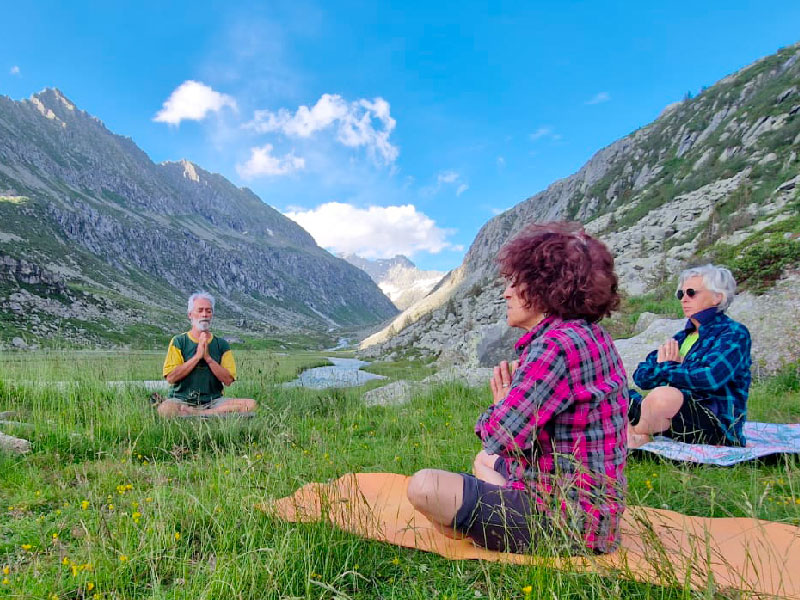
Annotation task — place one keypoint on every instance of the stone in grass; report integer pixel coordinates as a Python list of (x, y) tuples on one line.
[(16, 445), (394, 394)]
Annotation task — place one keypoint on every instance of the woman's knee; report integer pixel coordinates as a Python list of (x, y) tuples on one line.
[(421, 487), (663, 402)]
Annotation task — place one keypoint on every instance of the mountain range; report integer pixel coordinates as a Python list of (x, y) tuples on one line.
[(398, 278), (100, 245), (714, 178)]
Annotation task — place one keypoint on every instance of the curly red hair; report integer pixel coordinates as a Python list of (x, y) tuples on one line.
[(561, 270)]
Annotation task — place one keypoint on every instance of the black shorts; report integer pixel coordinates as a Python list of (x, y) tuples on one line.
[(694, 422), (498, 518)]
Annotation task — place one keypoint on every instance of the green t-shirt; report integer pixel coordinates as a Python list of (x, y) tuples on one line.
[(688, 343), (200, 386)]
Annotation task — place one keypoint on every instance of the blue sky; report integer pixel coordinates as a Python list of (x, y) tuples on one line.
[(422, 119)]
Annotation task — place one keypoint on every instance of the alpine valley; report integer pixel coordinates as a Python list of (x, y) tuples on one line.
[(101, 246), (714, 178)]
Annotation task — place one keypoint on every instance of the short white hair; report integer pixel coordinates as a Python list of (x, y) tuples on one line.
[(716, 279), (197, 296)]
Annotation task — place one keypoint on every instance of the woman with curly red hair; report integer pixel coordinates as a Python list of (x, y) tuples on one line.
[(550, 474)]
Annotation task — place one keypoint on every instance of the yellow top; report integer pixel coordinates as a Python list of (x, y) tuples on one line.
[(688, 343), (174, 358)]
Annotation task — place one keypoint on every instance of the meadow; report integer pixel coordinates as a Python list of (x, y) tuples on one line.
[(116, 503)]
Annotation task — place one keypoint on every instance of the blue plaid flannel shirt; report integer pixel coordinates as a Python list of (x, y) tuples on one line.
[(715, 372)]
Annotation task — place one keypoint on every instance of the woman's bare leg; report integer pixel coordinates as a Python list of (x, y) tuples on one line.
[(438, 495), (658, 408), (483, 468)]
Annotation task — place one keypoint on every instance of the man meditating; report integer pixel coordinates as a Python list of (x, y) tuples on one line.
[(198, 365), (701, 376), (550, 476)]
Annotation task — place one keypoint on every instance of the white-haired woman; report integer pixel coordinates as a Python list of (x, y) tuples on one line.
[(701, 377)]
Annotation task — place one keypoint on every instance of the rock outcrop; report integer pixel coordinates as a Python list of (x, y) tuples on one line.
[(715, 169)]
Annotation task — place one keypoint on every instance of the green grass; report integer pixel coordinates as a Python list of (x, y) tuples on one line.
[(142, 508)]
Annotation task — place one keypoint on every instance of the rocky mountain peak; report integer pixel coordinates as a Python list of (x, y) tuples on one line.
[(88, 210), (714, 176)]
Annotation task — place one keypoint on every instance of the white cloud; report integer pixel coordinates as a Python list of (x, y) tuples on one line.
[(545, 132), (540, 133), (374, 232), (501, 162), (192, 101), (14, 70), (599, 97), (262, 162), (362, 123), (447, 177)]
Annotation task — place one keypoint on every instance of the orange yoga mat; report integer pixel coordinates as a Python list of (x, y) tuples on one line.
[(663, 547)]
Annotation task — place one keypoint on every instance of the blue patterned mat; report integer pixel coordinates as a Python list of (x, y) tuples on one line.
[(762, 439)]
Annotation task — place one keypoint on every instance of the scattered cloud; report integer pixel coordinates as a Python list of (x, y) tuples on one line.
[(446, 178), (599, 97), (14, 70), (373, 232), (501, 162), (361, 123), (262, 162), (498, 211), (545, 132), (540, 133), (192, 101)]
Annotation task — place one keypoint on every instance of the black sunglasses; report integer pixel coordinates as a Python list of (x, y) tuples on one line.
[(689, 292)]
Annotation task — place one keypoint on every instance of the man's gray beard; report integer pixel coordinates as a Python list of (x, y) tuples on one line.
[(201, 324)]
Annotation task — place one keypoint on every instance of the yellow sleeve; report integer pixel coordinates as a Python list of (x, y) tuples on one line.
[(174, 359), (228, 362)]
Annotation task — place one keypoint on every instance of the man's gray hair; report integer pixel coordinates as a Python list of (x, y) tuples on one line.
[(196, 296), (717, 279)]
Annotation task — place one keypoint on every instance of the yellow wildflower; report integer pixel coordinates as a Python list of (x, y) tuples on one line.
[(110, 507), (74, 569), (38, 493), (649, 484), (6, 570), (134, 505), (136, 515), (527, 590), (148, 499), (26, 547), (395, 561), (177, 536), (55, 536), (84, 505), (89, 586), (122, 558), (65, 561), (5, 581)]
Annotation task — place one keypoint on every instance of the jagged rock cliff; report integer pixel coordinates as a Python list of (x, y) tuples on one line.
[(712, 174), (88, 212), (398, 278)]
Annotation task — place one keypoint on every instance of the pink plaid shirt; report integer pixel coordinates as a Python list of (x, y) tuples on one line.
[(561, 429)]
